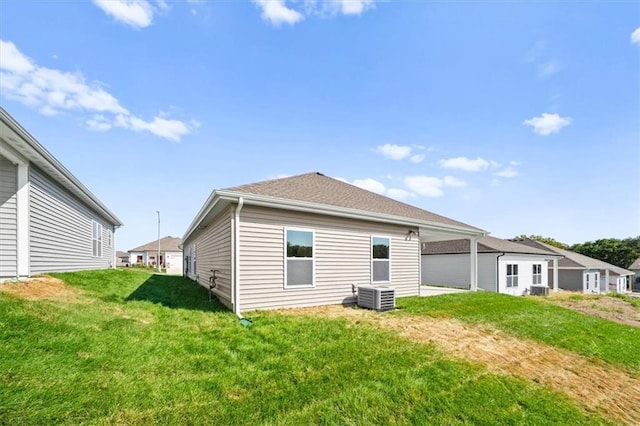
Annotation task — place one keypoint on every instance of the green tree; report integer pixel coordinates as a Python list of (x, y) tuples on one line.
[(618, 252), (546, 240)]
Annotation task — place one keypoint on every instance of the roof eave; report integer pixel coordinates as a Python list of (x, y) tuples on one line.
[(61, 171), (308, 207)]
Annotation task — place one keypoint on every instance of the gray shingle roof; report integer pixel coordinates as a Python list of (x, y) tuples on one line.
[(321, 189), (486, 244), (575, 260), (166, 244), (636, 264)]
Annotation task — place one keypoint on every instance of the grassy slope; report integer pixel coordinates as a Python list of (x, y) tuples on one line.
[(529, 317), (150, 349)]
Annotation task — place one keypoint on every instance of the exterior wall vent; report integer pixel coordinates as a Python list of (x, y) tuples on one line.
[(539, 290), (378, 298)]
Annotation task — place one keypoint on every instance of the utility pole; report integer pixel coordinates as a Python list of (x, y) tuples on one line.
[(158, 258)]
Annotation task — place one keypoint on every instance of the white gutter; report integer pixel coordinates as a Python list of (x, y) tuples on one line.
[(236, 259), (273, 202), (45, 156)]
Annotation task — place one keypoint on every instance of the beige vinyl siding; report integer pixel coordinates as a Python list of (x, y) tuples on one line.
[(342, 253), (8, 219), (60, 229), (213, 251)]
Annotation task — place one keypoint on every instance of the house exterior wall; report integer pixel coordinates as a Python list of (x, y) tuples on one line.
[(60, 229), (212, 247), (453, 270), (568, 279), (525, 264), (8, 219), (133, 257), (342, 254)]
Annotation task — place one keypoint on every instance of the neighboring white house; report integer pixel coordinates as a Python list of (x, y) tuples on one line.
[(306, 240), (634, 284), (170, 254), (503, 266), (577, 272), (49, 221)]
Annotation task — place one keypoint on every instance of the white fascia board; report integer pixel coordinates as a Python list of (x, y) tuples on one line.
[(42, 156), (280, 203), (204, 211)]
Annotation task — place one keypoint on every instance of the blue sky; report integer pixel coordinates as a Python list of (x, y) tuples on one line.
[(516, 117)]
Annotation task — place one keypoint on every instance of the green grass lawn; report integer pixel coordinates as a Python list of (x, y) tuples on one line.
[(533, 318), (150, 349)]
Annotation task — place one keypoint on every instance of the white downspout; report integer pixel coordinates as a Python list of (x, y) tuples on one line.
[(236, 259)]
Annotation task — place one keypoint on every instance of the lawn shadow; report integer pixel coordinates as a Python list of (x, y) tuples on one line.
[(175, 292)]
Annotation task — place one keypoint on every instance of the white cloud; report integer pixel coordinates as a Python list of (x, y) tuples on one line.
[(370, 185), (277, 12), (52, 91), (352, 7), (508, 172), (547, 123), (547, 69), (399, 194), (135, 13), (635, 36), (394, 152), (417, 158), (12, 60), (99, 123), (464, 163), (454, 182), (425, 185)]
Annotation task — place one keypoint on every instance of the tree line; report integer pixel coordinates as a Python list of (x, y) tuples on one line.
[(615, 251)]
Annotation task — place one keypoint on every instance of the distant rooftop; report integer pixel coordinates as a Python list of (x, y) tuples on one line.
[(166, 244)]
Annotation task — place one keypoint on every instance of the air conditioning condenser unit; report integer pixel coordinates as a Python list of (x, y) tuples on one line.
[(378, 298), (539, 290)]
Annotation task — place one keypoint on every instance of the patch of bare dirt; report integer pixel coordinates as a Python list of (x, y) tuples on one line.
[(42, 287), (598, 388), (602, 306)]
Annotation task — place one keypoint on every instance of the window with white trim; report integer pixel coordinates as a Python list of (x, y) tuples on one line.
[(380, 259), (96, 239), (299, 270), (537, 274), (109, 237), (512, 275)]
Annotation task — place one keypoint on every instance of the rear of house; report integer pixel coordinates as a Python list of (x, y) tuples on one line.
[(577, 272), (49, 220), (289, 243), (503, 266)]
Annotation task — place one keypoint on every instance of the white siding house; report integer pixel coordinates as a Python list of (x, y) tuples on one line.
[(49, 221), (503, 266), (170, 249), (577, 272), (634, 284), (307, 240)]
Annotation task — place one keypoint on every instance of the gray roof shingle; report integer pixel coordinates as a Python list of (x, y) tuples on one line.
[(486, 244), (166, 244), (321, 189)]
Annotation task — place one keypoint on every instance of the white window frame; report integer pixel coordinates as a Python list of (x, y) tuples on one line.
[(537, 274), (109, 238), (313, 257), (96, 239), (513, 276), (380, 260)]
